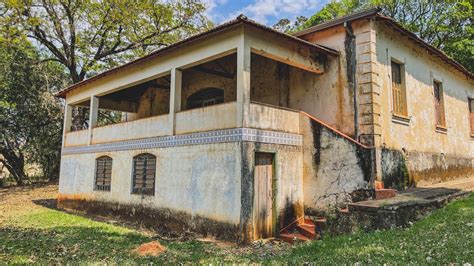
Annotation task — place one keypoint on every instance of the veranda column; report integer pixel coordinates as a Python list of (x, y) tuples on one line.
[(93, 115), (243, 81), (175, 98), (67, 121)]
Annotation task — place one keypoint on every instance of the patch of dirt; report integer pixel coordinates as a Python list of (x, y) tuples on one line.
[(26, 198), (153, 249)]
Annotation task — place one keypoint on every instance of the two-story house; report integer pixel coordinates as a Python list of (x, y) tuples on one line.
[(240, 130)]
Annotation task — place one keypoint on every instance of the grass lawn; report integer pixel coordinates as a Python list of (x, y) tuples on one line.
[(33, 233)]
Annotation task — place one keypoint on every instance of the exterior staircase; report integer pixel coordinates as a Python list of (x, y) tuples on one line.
[(303, 229), (306, 229)]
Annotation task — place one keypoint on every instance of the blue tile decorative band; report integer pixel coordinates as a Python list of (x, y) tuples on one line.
[(209, 137)]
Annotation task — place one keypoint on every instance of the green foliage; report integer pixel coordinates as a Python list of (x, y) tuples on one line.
[(88, 36), (80, 38), (447, 25), (30, 118)]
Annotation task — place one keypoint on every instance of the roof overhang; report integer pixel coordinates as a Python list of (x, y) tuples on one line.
[(239, 21)]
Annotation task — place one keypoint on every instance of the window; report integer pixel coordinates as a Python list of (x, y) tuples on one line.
[(144, 168), (103, 173), (439, 104), (471, 114), (398, 90), (205, 97)]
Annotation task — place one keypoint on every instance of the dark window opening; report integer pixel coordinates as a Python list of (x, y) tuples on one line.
[(205, 97), (439, 104), (144, 170), (471, 114), (103, 173)]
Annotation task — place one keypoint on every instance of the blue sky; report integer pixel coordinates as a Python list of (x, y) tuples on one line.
[(264, 11)]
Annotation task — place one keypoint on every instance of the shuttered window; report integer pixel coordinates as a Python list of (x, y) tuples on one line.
[(144, 168), (103, 173), (398, 90), (439, 104), (471, 114)]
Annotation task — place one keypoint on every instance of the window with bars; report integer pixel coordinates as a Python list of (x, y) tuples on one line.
[(439, 104), (144, 170), (399, 90), (471, 114), (103, 173)]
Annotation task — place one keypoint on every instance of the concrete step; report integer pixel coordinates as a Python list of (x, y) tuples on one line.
[(385, 193), (308, 230)]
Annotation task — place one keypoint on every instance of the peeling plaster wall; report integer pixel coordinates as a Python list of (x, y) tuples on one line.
[(200, 180), (152, 103), (335, 169), (323, 95), (332, 100), (194, 81), (430, 155)]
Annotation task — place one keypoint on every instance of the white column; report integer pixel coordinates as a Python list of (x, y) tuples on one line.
[(243, 82), (67, 121), (93, 115), (175, 98)]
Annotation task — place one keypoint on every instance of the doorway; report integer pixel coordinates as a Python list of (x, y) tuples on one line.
[(264, 196)]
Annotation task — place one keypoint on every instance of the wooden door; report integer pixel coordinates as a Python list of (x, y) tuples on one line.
[(263, 199)]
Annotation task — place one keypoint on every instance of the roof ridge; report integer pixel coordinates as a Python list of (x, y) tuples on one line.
[(349, 17)]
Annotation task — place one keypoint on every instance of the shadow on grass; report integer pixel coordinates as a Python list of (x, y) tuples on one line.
[(47, 203), (64, 243)]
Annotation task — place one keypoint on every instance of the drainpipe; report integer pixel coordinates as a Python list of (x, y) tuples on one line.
[(350, 48)]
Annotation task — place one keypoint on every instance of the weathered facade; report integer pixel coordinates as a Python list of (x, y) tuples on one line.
[(240, 130)]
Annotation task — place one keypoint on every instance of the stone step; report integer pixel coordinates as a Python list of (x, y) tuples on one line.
[(385, 193), (308, 230)]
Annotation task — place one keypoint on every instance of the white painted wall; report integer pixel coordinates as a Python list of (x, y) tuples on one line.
[(76, 138), (420, 69), (220, 116), (154, 126), (273, 118), (200, 180)]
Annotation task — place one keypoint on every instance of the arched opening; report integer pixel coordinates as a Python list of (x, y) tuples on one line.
[(205, 97)]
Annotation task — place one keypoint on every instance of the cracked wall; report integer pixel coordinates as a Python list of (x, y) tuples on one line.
[(335, 169)]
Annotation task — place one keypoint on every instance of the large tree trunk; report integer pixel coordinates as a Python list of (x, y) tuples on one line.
[(15, 164)]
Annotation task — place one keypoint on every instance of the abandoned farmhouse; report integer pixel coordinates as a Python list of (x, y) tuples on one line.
[(241, 130)]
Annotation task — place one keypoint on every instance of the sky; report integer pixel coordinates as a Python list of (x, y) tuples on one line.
[(264, 11)]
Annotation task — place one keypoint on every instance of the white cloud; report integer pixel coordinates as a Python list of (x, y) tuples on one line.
[(211, 6), (261, 10)]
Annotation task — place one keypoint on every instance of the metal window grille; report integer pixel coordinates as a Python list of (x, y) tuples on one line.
[(103, 173), (144, 170)]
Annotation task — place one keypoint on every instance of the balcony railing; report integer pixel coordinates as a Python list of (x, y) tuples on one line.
[(215, 117)]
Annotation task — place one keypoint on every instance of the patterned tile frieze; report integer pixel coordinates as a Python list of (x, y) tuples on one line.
[(216, 136)]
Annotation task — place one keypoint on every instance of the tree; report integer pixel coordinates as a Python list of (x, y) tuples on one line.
[(285, 25), (30, 118), (446, 25), (87, 36)]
